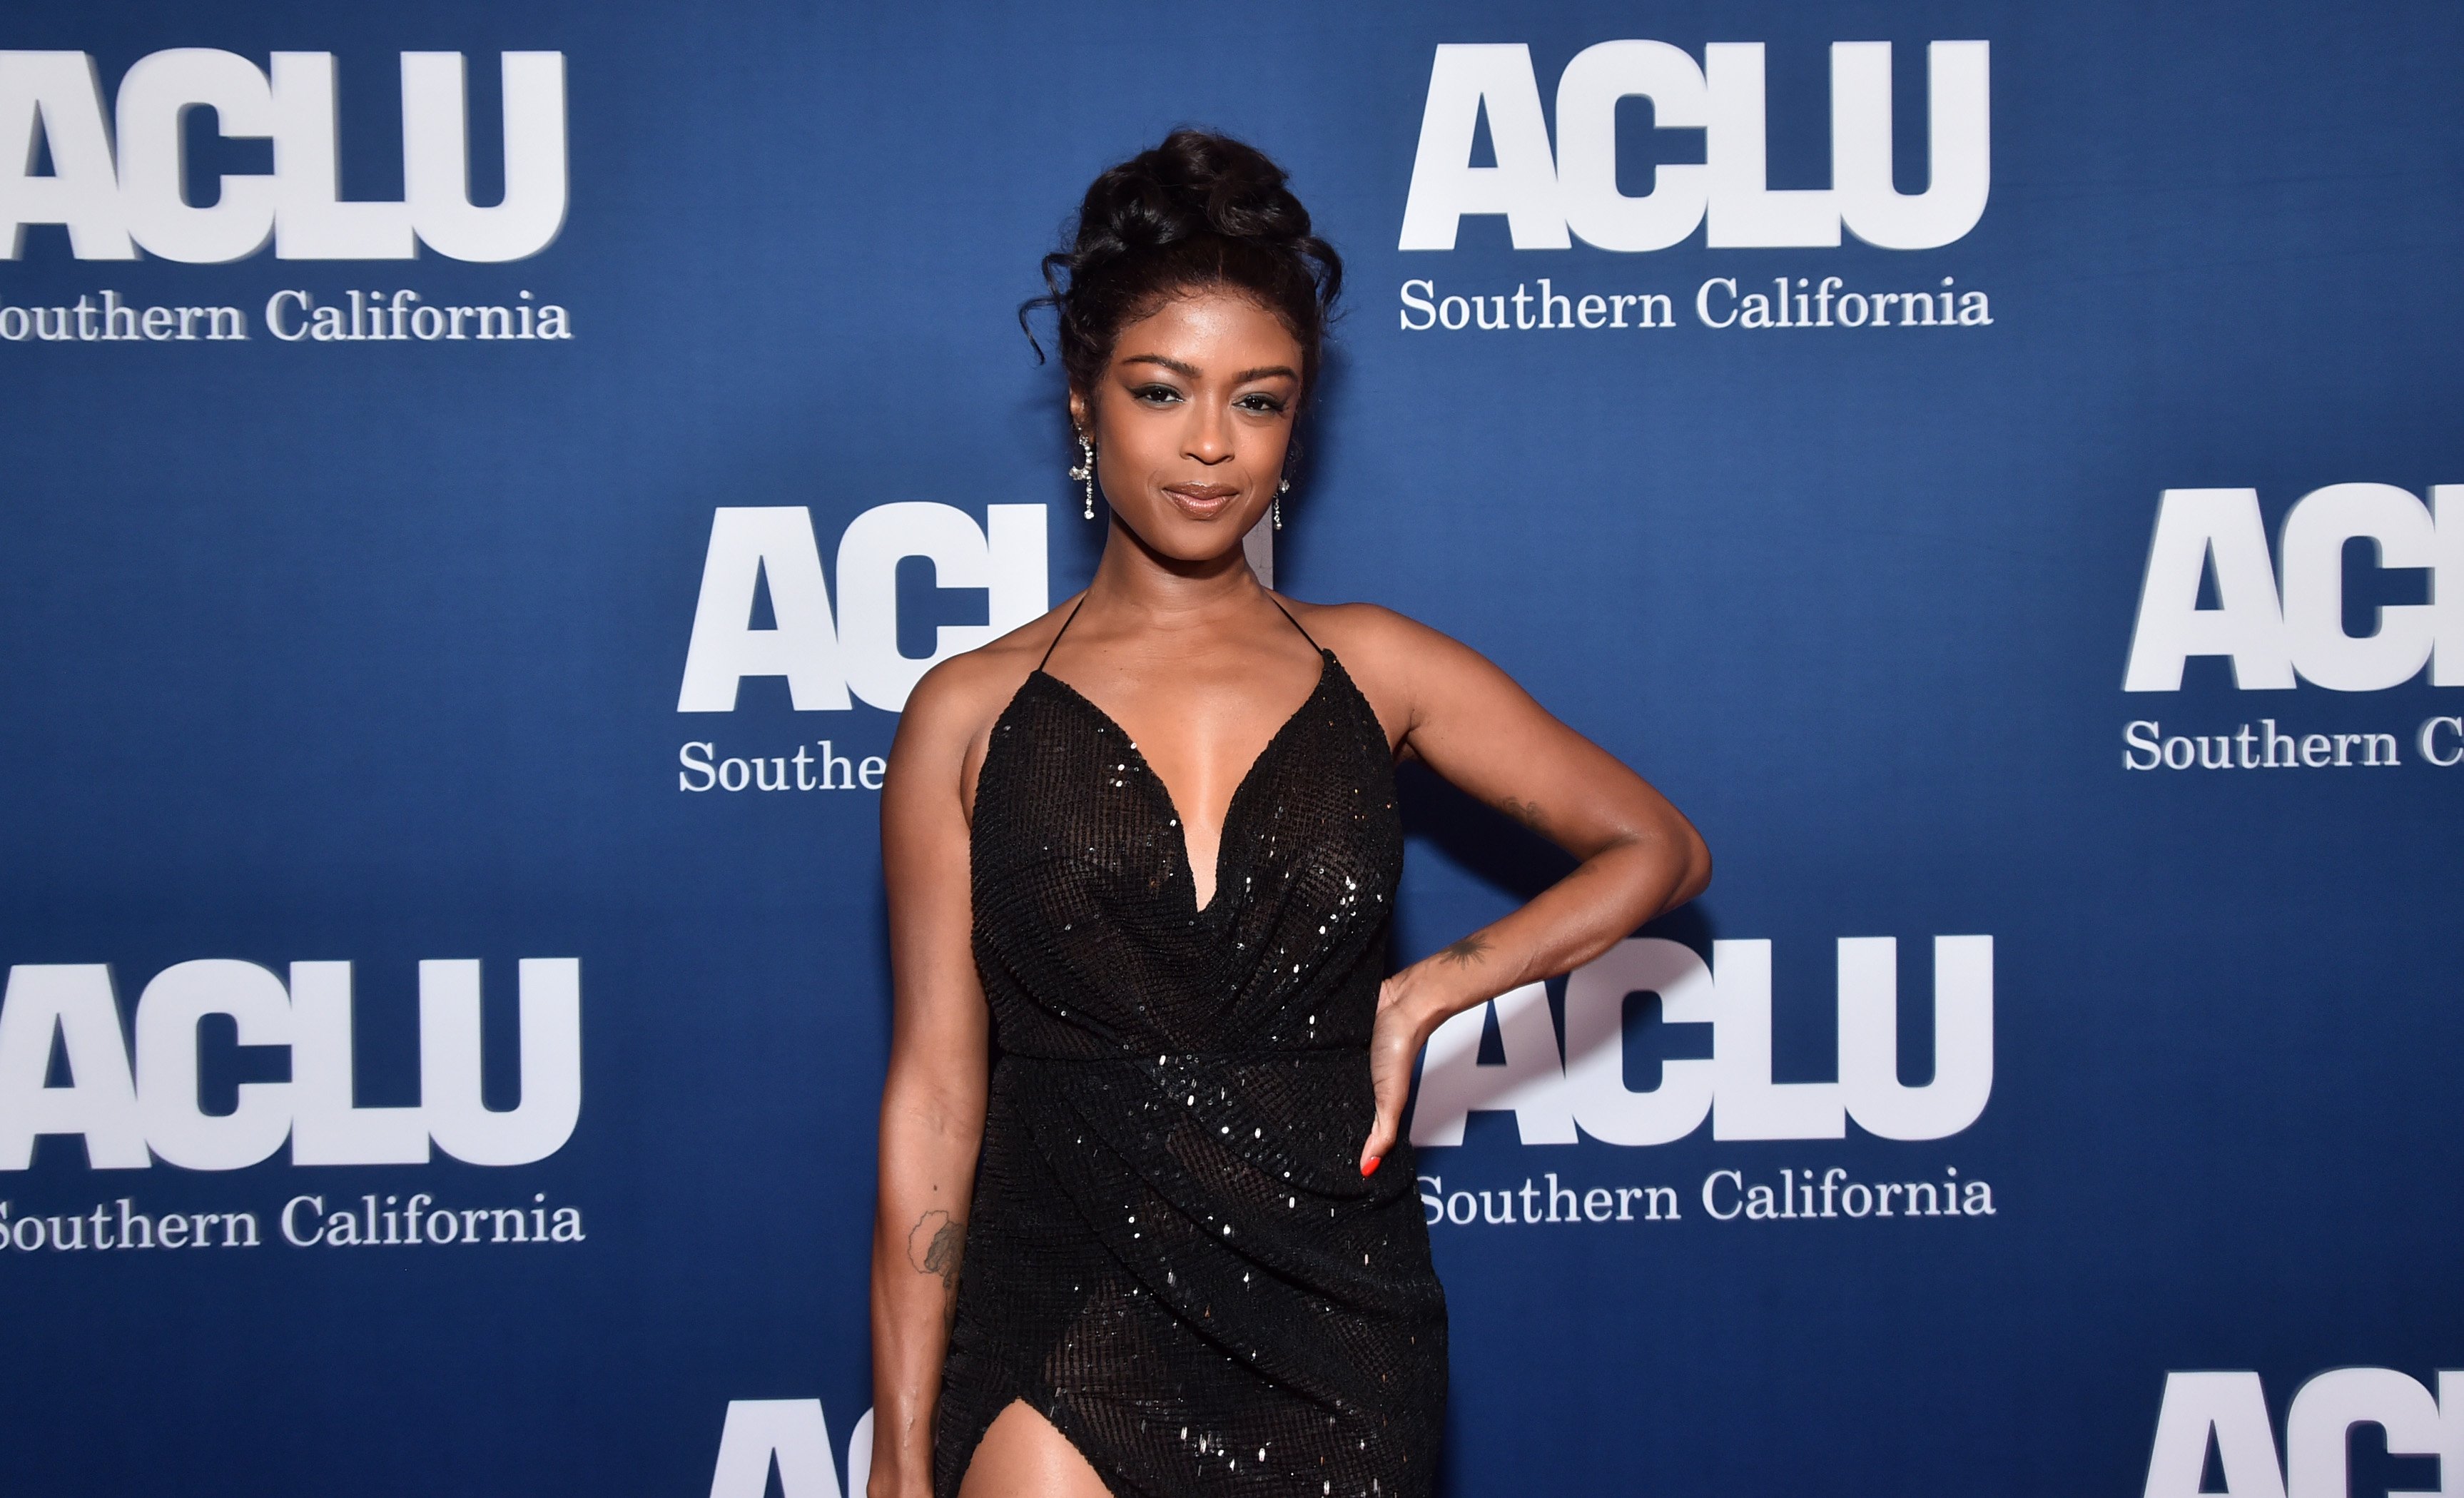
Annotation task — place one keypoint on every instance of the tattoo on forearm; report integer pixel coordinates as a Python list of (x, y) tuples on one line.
[(935, 1245), (1527, 812), (1470, 950)]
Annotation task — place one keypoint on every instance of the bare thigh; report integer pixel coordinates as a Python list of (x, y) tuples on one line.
[(1021, 1456)]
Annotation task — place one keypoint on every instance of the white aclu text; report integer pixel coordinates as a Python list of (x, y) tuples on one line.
[(2146, 745), (1554, 1096), (2227, 1412), (1549, 200), (1728, 1195), (791, 1435), (292, 316), (419, 1222), (704, 770), (2274, 632), (119, 182), (1717, 304), (128, 1116), (824, 658)]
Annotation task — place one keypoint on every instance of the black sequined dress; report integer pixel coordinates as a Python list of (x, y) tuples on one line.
[(1172, 1255)]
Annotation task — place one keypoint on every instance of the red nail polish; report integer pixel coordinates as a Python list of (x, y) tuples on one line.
[(1369, 1166)]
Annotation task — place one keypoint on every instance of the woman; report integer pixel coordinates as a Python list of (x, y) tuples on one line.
[(1151, 842)]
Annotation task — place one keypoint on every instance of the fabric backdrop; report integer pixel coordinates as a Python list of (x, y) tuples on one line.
[(479, 481)]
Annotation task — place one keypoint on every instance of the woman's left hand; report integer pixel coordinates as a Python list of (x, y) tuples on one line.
[(1403, 1027)]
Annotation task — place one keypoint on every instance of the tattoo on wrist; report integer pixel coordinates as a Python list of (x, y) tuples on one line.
[(935, 1245), (1470, 950)]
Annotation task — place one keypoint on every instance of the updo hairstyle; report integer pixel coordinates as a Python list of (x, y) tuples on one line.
[(1198, 210)]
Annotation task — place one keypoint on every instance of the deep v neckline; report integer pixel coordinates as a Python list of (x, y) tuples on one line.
[(1327, 667)]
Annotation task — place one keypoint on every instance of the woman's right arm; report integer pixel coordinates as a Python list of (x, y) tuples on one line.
[(932, 1103)]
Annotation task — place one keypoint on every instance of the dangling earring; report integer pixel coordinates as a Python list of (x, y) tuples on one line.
[(1275, 506), (1085, 473)]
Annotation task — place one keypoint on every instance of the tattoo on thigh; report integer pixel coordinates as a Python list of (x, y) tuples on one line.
[(943, 1243)]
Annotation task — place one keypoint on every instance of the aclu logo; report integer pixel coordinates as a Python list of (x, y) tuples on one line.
[(130, 1114), (2225, 1413), (791, 1438), (1557, 1097), (830, 655), (120, 181), (2273, 633), (1550, 198), (2284, 618)]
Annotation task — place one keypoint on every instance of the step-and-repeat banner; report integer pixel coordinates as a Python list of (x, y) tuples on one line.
[(478, 482)]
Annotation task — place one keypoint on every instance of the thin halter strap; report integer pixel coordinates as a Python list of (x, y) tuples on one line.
[(1286, 613), (1065, 629), (1081, 603)]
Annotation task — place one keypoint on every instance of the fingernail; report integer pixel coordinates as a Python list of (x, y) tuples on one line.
[(1369, 1166)]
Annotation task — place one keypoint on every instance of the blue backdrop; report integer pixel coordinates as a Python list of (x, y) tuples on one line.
[(328, 649)]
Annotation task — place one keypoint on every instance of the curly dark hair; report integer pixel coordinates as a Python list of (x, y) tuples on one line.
[(1200, 210)]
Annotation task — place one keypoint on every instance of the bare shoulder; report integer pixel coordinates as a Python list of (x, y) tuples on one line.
[(1377, 642), (952, 709), (1402, 665)]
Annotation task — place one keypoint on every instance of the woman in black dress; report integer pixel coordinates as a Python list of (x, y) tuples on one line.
[(1170, 1243)]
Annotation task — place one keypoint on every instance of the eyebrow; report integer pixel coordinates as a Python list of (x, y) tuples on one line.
[(1192, 371)]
